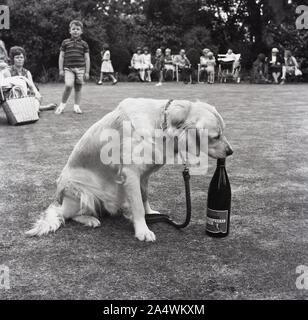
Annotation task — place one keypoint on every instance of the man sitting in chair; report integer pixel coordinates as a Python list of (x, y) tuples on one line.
[(230, 62), (183, 66)]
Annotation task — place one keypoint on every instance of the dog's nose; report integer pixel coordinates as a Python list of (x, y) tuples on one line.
[(229, 151)]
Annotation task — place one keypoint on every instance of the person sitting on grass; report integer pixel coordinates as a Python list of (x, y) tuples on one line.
[(74, 65), (137, 63), (17, 57), (290, 66), (106, 67)]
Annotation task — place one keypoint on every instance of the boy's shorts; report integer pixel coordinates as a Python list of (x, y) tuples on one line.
[(74, 76)]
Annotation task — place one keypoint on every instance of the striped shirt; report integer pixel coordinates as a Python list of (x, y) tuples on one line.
[(74, 51)]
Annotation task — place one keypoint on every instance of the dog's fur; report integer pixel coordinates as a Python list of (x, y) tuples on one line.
[(86, 184)]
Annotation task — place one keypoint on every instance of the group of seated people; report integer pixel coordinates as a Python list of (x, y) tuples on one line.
[(274, 69), (168, 66)]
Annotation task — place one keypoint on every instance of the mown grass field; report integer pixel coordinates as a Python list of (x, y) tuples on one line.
[(268, 129)]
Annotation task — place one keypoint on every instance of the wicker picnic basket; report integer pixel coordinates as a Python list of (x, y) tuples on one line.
[(19, 109)]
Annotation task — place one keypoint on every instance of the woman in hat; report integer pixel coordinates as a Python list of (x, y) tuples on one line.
[(275, 65), (138, 63), (169, 67), (203, 64)]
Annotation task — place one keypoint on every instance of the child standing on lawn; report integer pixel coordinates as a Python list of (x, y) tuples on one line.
[(74, 65), (106, 67)]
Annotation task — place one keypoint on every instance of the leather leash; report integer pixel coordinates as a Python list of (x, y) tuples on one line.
[(158, 217)]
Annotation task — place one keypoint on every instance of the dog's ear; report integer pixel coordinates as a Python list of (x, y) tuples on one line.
[(178, 112)]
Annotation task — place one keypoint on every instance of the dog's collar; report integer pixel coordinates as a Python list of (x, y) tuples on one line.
[(167, 105)]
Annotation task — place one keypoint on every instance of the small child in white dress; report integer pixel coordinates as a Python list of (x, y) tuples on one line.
[(106, 68)]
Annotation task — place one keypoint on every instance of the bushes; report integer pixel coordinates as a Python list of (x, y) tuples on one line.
[(120, 59), (41, 25)]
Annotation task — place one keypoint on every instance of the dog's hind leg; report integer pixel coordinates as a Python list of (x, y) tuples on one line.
[(54, 216), (72, 210)]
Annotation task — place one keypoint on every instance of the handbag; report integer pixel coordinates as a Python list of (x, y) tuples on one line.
[(19, 109), (298, 72)]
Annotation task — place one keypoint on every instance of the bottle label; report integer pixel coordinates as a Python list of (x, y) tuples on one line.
[(216, 221)]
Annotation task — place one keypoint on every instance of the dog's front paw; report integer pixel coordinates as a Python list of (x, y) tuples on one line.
[(145, 235)]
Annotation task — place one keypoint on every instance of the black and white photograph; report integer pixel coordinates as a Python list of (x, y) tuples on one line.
[(154, 150)]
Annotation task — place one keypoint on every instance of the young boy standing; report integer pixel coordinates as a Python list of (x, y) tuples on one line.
[(74, 65)]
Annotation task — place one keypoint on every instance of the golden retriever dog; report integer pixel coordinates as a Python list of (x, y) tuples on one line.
[(88, 183)]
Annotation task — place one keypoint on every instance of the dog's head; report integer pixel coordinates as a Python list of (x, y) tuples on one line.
[(184, 115)]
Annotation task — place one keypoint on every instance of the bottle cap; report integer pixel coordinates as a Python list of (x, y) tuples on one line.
[(221, 162)]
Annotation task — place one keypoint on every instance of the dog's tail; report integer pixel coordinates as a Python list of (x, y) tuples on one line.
[(50, 221)]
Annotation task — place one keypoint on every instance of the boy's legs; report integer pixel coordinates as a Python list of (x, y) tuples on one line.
[(69, 79), (79, 81), (77, 96)]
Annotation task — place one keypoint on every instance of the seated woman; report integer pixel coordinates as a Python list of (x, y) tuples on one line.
[(260, 70), (290, 66), (169, 68), (210, 68), (17, 56), (147, 64), (203, 64), (184, 66), (138, 64), (275, 65)]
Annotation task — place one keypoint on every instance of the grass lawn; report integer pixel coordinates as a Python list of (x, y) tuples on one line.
[(268, 129)]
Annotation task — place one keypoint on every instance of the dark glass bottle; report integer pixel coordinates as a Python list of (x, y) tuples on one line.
[(219, 203)]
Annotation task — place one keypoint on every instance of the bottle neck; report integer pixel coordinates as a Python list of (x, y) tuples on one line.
[(221, 162)]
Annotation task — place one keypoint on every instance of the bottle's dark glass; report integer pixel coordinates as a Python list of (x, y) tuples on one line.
[(219, 203)]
